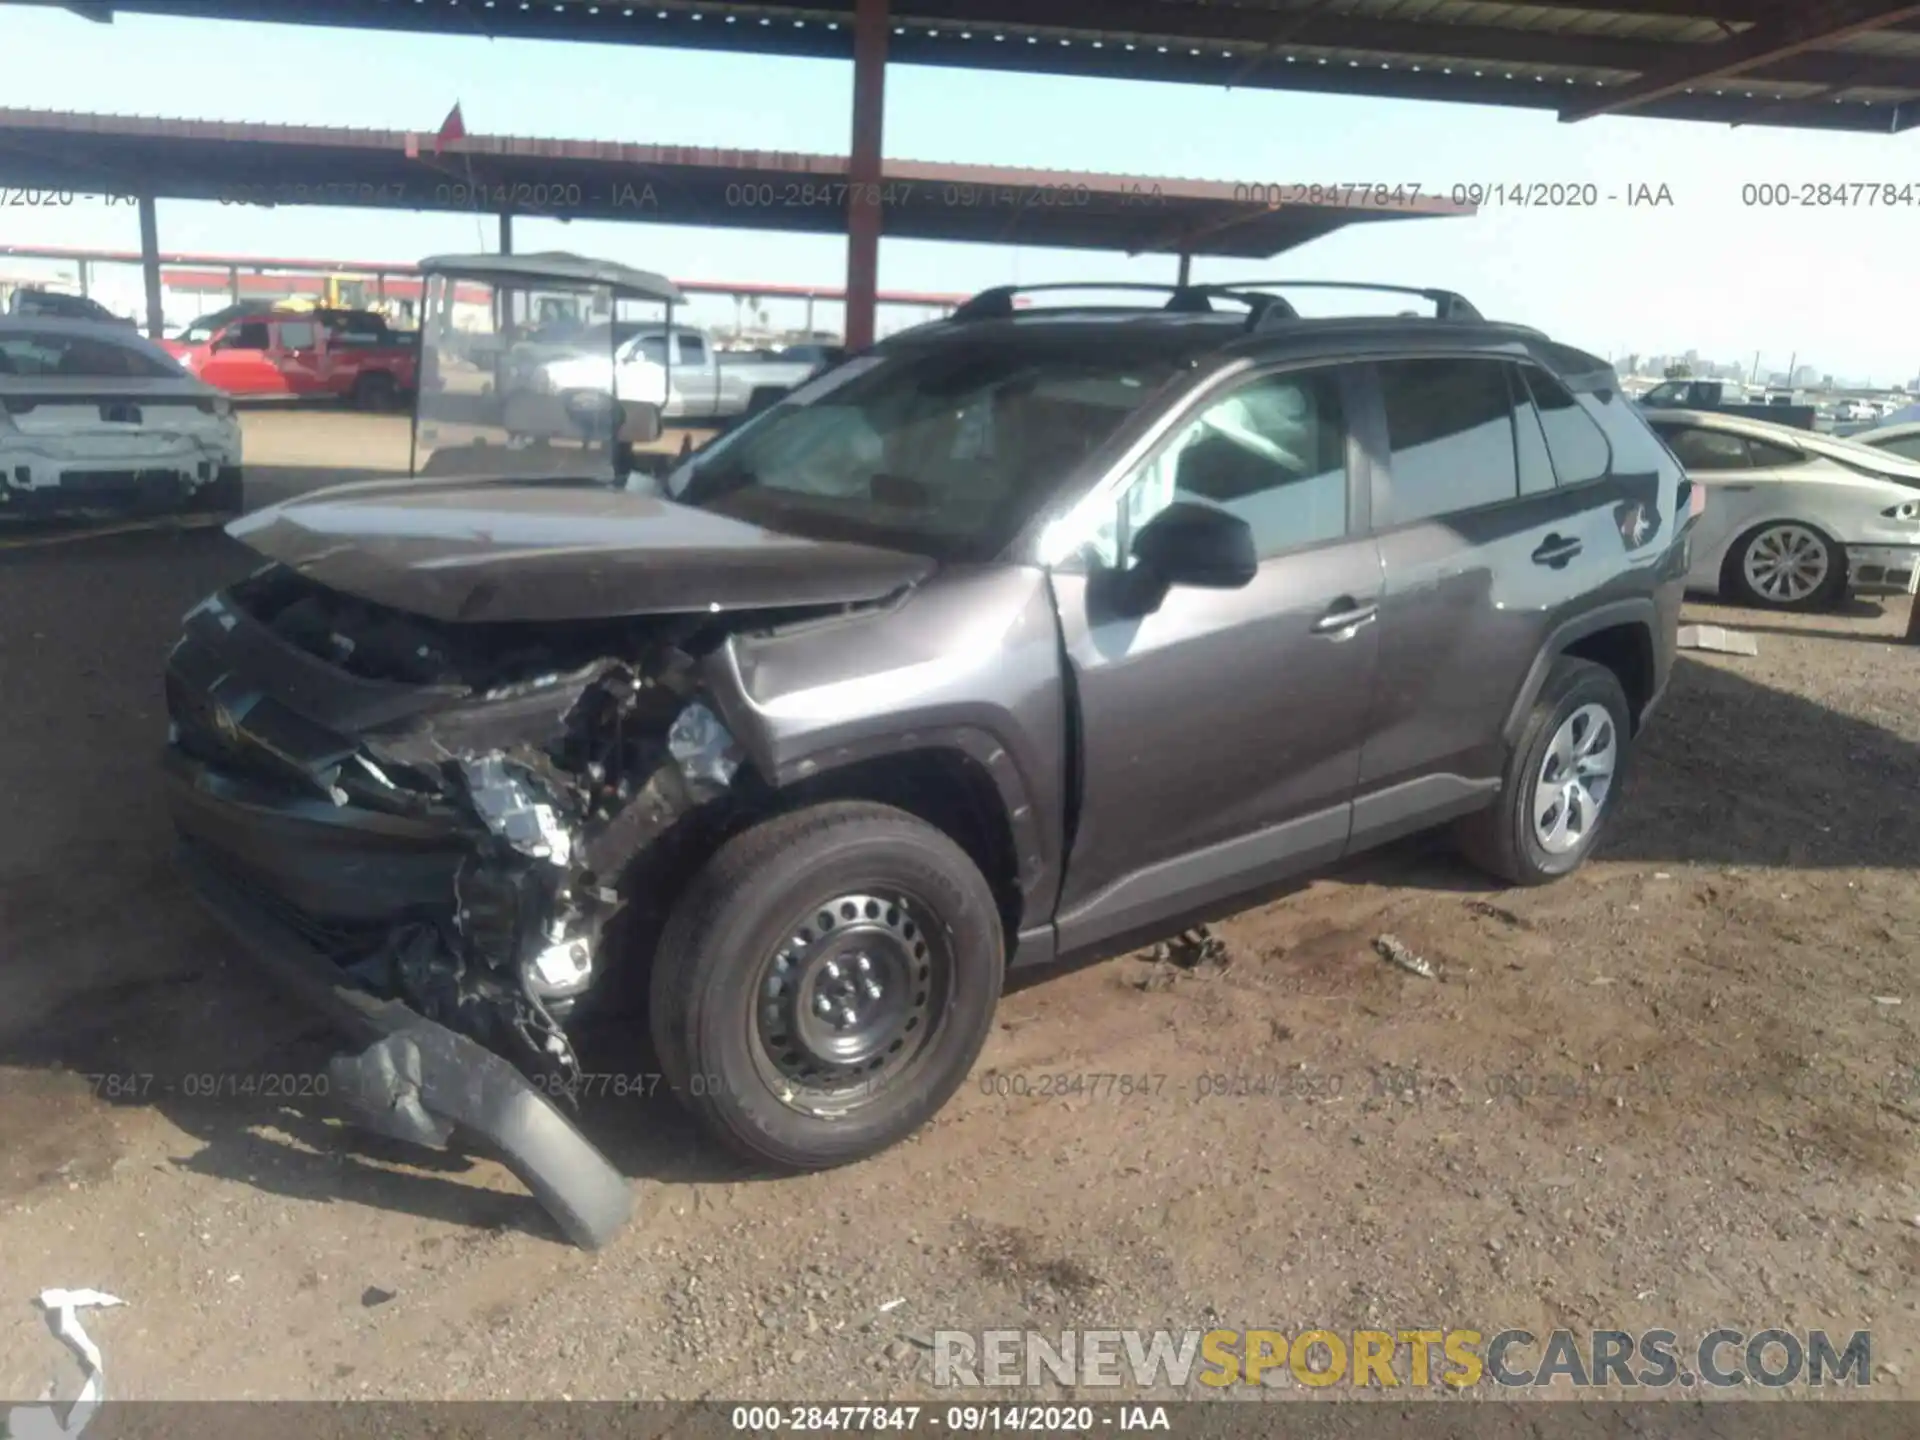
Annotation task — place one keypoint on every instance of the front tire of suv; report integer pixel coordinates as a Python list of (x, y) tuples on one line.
[(1563, 779), (825, 984)]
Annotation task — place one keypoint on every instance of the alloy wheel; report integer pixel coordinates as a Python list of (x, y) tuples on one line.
[(1575, 779), (1785, 564)]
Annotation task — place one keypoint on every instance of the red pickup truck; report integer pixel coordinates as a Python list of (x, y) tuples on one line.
[(302, 356)]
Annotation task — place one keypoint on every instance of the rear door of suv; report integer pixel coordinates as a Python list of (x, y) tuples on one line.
[(1499, 515)]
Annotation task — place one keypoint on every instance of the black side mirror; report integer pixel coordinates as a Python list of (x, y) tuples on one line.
[(1191, 544)]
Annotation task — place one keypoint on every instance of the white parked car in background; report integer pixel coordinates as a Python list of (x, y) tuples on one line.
[(95, 419), (1794, 520)]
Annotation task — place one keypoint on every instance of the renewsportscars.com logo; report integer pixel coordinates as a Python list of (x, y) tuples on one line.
[(1458, 1359)]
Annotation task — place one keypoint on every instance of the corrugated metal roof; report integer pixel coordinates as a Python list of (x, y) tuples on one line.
[(1846, 64), (119, 155), (282, 267)]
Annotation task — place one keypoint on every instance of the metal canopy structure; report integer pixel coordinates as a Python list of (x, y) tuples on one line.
[(115, 155), (1829, 64), (1821, 64), (237, 273)]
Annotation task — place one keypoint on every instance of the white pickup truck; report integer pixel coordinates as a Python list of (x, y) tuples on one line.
[(701, 383)]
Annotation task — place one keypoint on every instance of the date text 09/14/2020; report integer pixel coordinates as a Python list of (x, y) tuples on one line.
[(1403, 195)]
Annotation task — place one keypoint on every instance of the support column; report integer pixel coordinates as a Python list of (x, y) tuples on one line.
[(1186, 269), (86, 277), (233, 284), (150, 267), (863, 190), (809, 318), (506, 234)]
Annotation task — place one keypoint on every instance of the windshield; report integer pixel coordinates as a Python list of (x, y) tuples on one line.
[(945, 452)]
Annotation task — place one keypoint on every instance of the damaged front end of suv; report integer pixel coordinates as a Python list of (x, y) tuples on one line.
[(434, 828)]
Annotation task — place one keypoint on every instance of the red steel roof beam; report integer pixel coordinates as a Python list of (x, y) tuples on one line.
[(1801, 28)]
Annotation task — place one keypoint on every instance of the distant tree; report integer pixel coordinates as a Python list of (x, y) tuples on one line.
[(1679, 370)]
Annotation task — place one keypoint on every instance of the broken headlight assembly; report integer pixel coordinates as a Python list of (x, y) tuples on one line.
[(705, 749)]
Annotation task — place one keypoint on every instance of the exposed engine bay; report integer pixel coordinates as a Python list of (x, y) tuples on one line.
[(545, 758)]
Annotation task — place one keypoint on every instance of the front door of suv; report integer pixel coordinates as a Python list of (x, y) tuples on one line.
[(1220, 733), (1499, 516)]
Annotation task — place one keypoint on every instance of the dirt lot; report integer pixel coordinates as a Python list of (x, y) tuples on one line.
[(1670, 1091)]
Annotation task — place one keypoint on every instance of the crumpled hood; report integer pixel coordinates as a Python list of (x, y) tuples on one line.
[(543, 550)]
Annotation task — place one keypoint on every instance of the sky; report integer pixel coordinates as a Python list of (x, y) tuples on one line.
[(1835, 287)]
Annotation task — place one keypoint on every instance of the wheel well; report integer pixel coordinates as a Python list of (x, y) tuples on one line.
[(946, 788), (943, 787), (1626, 650)]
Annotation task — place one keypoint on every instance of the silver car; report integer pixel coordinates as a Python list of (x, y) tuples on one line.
[(1794, 520)]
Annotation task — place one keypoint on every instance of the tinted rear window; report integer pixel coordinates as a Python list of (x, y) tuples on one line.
[(1450, 425), (78, 356), (1580, 451)]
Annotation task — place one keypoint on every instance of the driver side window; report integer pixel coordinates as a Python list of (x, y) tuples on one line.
[(1273, 452)]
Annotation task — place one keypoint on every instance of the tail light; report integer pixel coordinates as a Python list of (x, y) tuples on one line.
[(1693, 499)]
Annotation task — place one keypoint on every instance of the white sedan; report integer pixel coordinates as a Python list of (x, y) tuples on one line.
[(1794, 519), (95, 419)]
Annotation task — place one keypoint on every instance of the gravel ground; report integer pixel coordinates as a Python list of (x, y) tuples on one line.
[(1669, 1091)]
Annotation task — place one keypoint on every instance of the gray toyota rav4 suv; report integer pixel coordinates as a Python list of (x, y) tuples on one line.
[(1028, 634)]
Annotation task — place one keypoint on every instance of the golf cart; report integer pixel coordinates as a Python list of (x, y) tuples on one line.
[(483, 408)]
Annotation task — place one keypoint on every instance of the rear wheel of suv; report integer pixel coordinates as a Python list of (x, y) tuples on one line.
[(1562, 779), (825, 984), (1785, 565)]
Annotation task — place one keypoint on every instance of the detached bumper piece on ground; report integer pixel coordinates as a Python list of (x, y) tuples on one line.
[(417, 1081)]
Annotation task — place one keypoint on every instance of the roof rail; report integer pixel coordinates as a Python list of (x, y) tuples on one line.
[(1263, 308), (1447, 305), (997, 303)]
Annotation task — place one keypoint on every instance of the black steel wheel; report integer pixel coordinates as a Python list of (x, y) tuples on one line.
[(850, 999), (826, 983)]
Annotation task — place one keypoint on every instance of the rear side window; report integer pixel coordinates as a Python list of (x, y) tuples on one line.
[(1706, 450), (77, 356), (693, 350), (1450, 427), (298, 334), (1578, 446), (1529, 438), (1905, 446), (1768, 456)]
